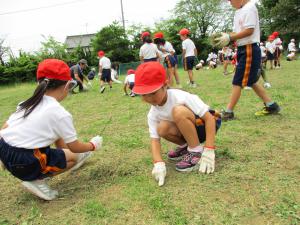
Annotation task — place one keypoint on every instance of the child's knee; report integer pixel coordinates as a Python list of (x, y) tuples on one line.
[(163, 129), (180, 112)]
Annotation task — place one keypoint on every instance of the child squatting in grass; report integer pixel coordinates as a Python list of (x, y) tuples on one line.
[(179, 117), (39, 122)]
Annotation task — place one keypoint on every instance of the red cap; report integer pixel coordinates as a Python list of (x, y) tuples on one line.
[(144, 34), (184, 31), (130, 71), (275, 34), (53, 69), (271, 37), (158, 35), (101, 53), (149, 77)]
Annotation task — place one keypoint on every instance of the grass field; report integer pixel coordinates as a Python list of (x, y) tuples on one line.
[(257, 174)]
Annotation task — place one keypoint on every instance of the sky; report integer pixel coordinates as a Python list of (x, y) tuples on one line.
[(23, 23), (23, 28)]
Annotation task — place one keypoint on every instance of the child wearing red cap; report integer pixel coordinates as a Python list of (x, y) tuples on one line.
[(129, 82), (104, 71), (149, 51), (270, 46), (278, 48), (169, 57), (189, 52), (247, 36), (39, 122), (179, 117)]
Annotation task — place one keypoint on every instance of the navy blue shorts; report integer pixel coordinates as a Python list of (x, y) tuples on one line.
[(150, 60), (131, 85), (176, 59), (188, 62), (106, 75), (32, 164), (270, 56), (170, 61), (200, 125), (248, 65)]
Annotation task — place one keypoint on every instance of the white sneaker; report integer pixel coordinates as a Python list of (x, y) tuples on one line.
[(193, 85), (248, 88), (267, 85), (41, 189), (102, 89), (82, 157)]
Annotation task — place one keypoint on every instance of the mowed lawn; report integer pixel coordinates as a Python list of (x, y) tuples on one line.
[(256, 180)]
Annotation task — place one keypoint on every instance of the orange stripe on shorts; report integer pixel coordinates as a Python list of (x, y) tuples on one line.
[(248, 65), (42, 157)]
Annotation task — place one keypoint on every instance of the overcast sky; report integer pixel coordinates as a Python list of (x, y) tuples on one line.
[(23, 22)]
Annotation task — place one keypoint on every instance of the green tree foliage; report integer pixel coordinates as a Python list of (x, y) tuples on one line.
[(202, 18), (282, 16), (113, 41)]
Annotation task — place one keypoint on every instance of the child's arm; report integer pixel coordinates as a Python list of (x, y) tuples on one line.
[(5, 125), (210, 129), (159, 170), (125, 89), (244, 33), (156, 150), (78, 147)]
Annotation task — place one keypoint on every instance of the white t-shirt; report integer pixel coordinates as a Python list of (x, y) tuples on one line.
[(212, 56), (105, 63), (168, 48), (129, 78), (277, 42), (189, 46), (270, 46), (244, 18), (227, 52), (48, 122), (175, 97), (148, 51), (263, 51), (292, 47)]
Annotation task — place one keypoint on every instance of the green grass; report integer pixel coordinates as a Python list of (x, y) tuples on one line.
[(257, 174)]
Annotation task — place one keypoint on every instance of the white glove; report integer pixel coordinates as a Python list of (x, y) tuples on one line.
[(97, 142), (223, 40), (207, 161), (159, 172)]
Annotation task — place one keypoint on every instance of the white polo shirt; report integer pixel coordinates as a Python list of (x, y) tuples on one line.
[(270, 46), (148, 51), (244, 18), (175, 97), (292, 47), (48, 122), (189, 46), (105, 63), (129, 78), (169, 49)]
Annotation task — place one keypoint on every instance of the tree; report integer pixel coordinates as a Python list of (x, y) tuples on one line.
[(205, 16), (3, 51), (112, 40), (282, 16)]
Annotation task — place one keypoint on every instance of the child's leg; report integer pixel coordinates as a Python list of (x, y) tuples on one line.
[(184, 119), (176, 75), (190, 73), (260, 91), (235, 96), (170, 132), (170, 75)]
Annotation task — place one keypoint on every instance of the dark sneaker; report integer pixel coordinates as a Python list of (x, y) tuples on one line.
[(272, 109), (102, 89), (177, 154), (227, 115), (189, 162)]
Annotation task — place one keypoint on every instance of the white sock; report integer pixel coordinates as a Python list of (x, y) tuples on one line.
[(197, 149)]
